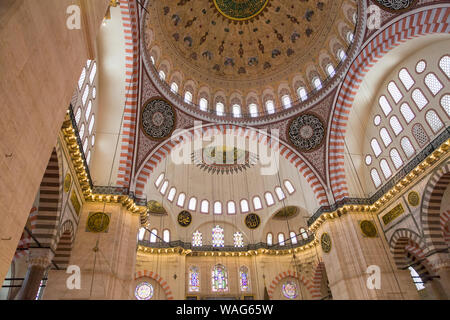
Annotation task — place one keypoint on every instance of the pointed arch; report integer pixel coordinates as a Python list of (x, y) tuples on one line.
[(64, 245)]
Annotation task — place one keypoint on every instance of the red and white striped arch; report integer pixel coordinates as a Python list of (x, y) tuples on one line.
[(164, 150), (429, 20), (287, 274), (130, 20), (153, 275)]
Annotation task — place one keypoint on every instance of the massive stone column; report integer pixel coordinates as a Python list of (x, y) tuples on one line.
[(441, 284), (38, 262), (105, 260), (41, 61), (351, 254)]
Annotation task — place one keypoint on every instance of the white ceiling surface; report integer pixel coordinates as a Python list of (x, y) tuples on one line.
[(111, 95)]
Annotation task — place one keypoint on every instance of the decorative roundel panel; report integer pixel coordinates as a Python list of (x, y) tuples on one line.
[(67, 182), (184, 218), (144, 291), (395, 5), (306, 132), (413, 198), (98, 222), (368, 228), (158, 119), (290, 290), (325, 242), (240, 10), (252, 221)]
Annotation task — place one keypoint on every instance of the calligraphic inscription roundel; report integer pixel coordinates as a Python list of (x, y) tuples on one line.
[(252, 221), (306, 132), (413, 198), (98, 222), (368, 228), (184, 218), (325, 242), (158, 119)]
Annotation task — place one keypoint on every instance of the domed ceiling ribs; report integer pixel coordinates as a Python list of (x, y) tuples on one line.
[(218, 51)]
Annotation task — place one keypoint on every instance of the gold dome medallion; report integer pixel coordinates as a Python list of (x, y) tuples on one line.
[(240, 10)]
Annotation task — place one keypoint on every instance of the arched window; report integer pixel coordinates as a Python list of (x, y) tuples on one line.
[(330, 70), (171, 194), (293, 237), (197, 239), (269, 199), (162, 75), (289, 186), (396, 159), (375, 178), (385, 168), (91, 124), (164, 187), (152, 59), (82, 78), (244, 279), (244, 205), (317, 83), (419, 99), (218, 237), (280, 194), (78, 116), (257, 203), (375, 147), (192, 204), (444, 64), (384, 134), (385, 105), (93, 140), (416, 279), (236, 111), (231, 207), (407, 147), (88, 158), (219, 279), (281, 239), (153, 235), (93, 73), (204, 207), (445, 104), (181, 199), (270, 107), (141, 234), (174, 87), (220, 109), (269, 239), (85, 145), (286, 100), (341, 55), (421, 66), (406, 79), (434, 121), (350, 37), (395, 125), (188, 97), (166, 236), (238, 240), (94, 93), (85, 95), (304, 233), (433, 83), (302, 94), (194, 279), (159, 180), (253, 109), (87, 113), (81, 132), (217, 207), (407, 113), (203, 104)]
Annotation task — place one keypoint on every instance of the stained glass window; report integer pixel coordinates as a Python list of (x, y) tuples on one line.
[(166, 235), (238, 240), (289, 186), (197, 239), (269, 239), (303, 95), (153, 235), (244, 281), (220, 109), (141, 234), (93, 73), (257, 203), (219, 279), (269, 198), (188, 97), (286, 101), (293, 237), (270, 107), (433, 83), (203, 104), (253, 108), (159, 180), (194, 279), (144, 291), (407, 113), (406, 78), (385, 105), (375, 177), (231, 207), (281, 239), (289, 289), (192, 204), (218, 237), (174, 87), (444, 64)]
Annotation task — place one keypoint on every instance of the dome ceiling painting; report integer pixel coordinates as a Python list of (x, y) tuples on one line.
[(242, 52)]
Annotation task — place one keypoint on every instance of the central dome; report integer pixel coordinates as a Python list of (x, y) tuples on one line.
[(240, 10), (242, 52)]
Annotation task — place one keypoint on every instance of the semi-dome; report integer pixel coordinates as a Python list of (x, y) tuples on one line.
[(247, 58)]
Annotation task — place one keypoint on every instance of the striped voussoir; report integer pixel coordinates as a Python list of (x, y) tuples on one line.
[(50, 192), (129, 12), (64, 245), (409, 249), (317, 281), (427, 21), (213, 130), (286, 274), (431, 216), (445, 218), (25, 239), (153, 275)]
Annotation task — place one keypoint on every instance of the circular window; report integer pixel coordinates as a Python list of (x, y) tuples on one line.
[(377, 120), (420, 67), (368, 160), (290, 290), (144, 291)]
